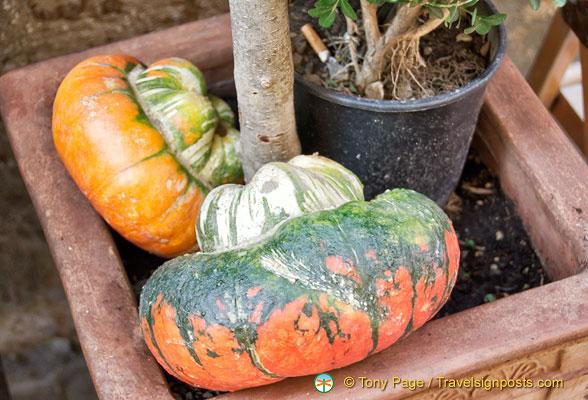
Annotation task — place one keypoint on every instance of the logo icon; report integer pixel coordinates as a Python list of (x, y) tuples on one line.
[(324, 383)]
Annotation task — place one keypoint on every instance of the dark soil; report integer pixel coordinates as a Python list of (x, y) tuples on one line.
[(497, 259), (450, 63)]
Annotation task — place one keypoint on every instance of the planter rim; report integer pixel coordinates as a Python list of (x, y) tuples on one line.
[(418, 104)]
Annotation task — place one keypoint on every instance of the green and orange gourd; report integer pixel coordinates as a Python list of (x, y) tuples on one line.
[(299, 274), (145, 145), (313, 286)]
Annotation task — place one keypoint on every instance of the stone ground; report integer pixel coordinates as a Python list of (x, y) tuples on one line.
[(38, 345)]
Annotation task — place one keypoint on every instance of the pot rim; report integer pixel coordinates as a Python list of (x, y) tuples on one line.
[(418, 104)]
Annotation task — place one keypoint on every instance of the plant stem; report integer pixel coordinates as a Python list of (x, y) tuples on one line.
[(420, 31), (370, 24), (264, 78), (403, 20), (351, 30), (430, 25)]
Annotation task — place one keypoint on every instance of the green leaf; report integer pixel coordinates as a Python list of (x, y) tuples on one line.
[(327, 20), (483, 28), (315, 12), (322, 7), (348, 10), (559, 3), (535, 4), (495, 19), (327, 3), (434, 11), (475, 17), (453, 14), (325, 11), (469, 30)]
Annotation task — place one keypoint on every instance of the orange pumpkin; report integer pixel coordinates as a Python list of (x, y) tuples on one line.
[(320, 291), (148, 183)]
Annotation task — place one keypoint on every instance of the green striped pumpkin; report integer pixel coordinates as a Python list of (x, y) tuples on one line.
[(145, 145), (319, 291), (198, 127), (234, 214)]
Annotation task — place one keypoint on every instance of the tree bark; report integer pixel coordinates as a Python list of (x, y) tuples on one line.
[(264, 78)]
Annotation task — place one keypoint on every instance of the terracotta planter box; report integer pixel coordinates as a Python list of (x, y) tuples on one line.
[(540, 333)]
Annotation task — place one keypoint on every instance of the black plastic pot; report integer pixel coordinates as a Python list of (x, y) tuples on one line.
[(416, 144)]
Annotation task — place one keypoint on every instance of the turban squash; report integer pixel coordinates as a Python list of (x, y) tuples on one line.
[(145, 145), (235, 214), (317, 291)]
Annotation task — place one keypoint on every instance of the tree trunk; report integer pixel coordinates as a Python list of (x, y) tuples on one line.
[(264, 77)]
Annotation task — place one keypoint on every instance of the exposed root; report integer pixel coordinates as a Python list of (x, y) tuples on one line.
[(405, 61), (411, 77), (449, 73)]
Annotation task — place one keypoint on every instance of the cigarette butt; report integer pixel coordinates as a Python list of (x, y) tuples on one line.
[(315, 42)]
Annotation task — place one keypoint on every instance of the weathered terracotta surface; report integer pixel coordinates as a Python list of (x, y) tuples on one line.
[(538, 168), (565, 363)]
